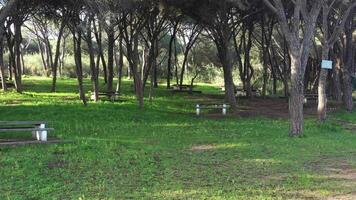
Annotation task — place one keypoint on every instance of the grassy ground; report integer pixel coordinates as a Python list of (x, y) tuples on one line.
[(165, 152)]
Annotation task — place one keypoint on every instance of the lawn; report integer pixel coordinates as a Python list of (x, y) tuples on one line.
[(166, 152)]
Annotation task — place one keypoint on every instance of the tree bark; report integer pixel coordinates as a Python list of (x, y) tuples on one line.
[(225, 58), (93, 69), (170, 52), (78, 63), (2, 72), (120, 63), (111, 42), (297, 96), (56, 57), (17, 55), (347, 69)]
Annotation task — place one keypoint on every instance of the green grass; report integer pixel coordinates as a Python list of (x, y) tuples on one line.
[(166, 152)]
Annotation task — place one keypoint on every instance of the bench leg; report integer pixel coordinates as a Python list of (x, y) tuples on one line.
[(34, 134), (224, 110), (43, 134), (198, 110)]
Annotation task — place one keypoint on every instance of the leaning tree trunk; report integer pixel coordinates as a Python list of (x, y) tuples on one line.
[(185, 61), (56, 57), (98, 37), (297, 96)]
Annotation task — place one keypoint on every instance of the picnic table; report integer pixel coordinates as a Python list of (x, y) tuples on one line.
[(38, 128), (222, 106), (185, 88), (239, 91)]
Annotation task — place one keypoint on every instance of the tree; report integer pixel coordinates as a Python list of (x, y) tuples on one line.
[(299, 30), (328, 39), (4, 13)]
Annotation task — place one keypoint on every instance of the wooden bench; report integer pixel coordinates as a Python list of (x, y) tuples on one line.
[(223, 107), (38, 128), (310, 97), (113, 96)]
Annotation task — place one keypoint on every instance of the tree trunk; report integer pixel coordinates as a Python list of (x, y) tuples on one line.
[(56, 57), (2, 72), (185, 60), (155, 67), (225, 58), (120, 63), (170, 52), (17, 55), (93, 69), (297, 96), (78, 63), (137, 74), (347, 69), (98, 37), (337, 91), (322, 98), (111, 43), (61, 65)]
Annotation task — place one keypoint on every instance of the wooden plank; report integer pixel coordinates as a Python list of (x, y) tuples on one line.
[(26, 129), (22, 122)]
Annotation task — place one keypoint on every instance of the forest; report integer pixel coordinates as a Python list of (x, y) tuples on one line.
[(129, 77)]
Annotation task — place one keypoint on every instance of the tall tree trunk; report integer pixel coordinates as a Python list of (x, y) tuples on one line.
[(78, 63), (170, 52), (337, 91), (176, 61), (56, 57), (155, 67), (264, 56), (61, 65), (225, 58), (111, 43), (98, 37), (347, 69), (17, 43), (93, 69), (120, 63), (297, 96), (134, 57), (2, 72)]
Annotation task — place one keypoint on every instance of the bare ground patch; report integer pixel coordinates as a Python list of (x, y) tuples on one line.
[(275, 108), (203, 147), (348, 126), (338, 171)]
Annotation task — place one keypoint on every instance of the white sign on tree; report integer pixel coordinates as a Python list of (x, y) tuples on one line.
[(327, 64)]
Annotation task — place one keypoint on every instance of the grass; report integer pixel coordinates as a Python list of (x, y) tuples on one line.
[(165, 152)]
